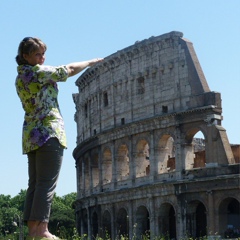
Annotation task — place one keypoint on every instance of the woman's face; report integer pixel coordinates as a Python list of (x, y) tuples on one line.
[(37, 57)]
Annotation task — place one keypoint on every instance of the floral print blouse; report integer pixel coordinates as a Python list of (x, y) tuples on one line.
[(37, 89)]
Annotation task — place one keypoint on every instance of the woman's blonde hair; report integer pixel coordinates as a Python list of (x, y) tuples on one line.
[(28, 45)]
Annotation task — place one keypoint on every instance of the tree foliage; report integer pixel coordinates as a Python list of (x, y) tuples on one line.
[(8, 214), (62, 219)]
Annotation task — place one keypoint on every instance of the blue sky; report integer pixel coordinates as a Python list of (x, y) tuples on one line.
[(77, 30)]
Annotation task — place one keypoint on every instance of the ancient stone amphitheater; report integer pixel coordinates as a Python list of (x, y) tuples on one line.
[(141, 167)]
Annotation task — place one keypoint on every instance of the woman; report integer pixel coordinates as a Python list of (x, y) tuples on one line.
[(43, 137)]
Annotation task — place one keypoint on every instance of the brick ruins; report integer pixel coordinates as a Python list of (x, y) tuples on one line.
[(141, 169)]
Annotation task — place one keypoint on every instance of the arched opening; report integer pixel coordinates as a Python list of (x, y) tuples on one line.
[(86, 175), (122, 163), (142, 222), (94, 224), (166, 156), (122, 223), (84, 221), (167, 221), (107, 166), (142, 163), (229, 218), (196, 219), (194, 149), (201, 221), (199, 150), (172, 223), (106, 223), (95, 170)]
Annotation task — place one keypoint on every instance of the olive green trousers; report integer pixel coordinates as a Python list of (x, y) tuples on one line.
[(44, 166)]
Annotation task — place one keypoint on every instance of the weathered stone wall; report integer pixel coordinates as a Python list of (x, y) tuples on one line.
[(137, 113), (152, 77)]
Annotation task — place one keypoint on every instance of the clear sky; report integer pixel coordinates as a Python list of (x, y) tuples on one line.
[(77, 30)]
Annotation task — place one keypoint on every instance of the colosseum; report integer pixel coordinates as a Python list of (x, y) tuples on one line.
[(142, 168)]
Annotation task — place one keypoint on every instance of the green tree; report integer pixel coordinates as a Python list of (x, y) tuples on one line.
[(8, 218), (62, 219), (11, 212), (5, 200), (18, 201)]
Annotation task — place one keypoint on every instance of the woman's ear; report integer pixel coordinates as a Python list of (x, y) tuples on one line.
[(25, 56)]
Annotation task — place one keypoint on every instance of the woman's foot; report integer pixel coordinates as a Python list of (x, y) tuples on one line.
[(42, 231), (39, 230)]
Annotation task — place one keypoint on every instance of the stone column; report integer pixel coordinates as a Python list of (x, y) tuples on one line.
[(179, 153), (130, 219), (113, 225), (114, 165), (83, 178), (153, 159), (131, 161), (90, 173), (89, 222), (100, 168), (131, 95), (113, 92), (152, 217), (210, 220), (99, 96), (181, 215), (78, 180), (217, 147)]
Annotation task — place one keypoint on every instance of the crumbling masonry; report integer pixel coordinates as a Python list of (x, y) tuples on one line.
[(140, 167)]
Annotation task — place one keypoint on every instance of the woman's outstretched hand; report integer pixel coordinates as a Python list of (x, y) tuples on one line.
[(94, 61)]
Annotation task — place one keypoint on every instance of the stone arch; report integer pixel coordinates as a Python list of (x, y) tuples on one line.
[(142, 221), (166, 155), (122, 163), (86, 172), (229, 215), (167, 220), (196, 219), (142, 137), (94, 224), (199, 142), (107, 165), (122, 222), (106, 224), (84, 221), (194, 149), (95, 168), (142, 163)]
